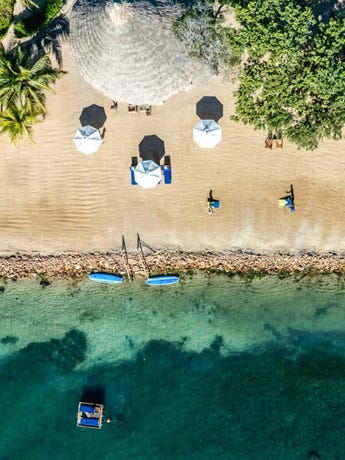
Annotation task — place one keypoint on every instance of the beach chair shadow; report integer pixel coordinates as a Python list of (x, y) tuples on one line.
[(209, 108)]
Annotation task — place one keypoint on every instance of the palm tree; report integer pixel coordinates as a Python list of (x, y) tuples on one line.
[(23, 79), (23, 82), (29, 4), (17, 122)]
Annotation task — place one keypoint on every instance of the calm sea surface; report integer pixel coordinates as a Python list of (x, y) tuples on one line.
[(212, 368)]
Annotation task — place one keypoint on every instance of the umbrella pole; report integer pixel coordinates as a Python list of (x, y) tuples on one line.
[(125, 259), (142, 257)]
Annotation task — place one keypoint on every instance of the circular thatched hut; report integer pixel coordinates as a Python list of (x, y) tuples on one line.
[(129, 52)]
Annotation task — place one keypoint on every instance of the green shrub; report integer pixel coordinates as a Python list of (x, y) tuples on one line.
[(38, 19), (6, 11)]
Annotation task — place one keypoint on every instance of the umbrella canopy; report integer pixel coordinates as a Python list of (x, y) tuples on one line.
[(147, 174), (87, 139), (128, 51), (207, 134)]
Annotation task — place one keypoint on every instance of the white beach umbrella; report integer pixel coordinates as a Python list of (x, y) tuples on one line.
[(207, 134), (147, 174), (87, 139)]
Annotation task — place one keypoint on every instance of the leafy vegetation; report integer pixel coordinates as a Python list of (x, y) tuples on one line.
[(293, 73), (6, 11), (38, 19), (294, 76), (23, 81), (201, 29), (18, 121)]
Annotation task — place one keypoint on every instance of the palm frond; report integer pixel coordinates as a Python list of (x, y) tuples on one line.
[(17, 122)]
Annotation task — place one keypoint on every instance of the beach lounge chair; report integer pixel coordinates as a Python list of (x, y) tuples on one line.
[(133, 181), (167, 174), (90, 422), (279, 140), (87, 408), (269, 141), (132, 108)]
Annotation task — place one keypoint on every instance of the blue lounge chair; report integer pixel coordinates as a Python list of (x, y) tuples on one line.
[(133, 181), (93, 422), (86, 408), (167, 174), (216, 204)]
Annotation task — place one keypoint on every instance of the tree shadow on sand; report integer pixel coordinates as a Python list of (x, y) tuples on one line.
[(48, 40)]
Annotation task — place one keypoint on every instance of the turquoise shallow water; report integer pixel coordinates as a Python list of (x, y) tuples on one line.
[(212, 368)]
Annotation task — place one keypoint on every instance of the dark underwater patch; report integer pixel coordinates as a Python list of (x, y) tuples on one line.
[(9, 340)]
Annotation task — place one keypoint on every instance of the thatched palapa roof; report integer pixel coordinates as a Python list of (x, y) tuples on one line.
[(128, 51)]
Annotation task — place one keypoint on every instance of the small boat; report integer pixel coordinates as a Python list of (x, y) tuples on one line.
[(161, 280), (90, 415), (102, 277)]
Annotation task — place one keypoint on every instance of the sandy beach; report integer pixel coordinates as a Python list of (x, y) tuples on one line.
[(54, 199)]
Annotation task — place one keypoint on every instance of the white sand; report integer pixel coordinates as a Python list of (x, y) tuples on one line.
[(54, 199)]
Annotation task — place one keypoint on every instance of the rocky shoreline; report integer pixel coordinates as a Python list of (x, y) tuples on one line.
[(241, 262)]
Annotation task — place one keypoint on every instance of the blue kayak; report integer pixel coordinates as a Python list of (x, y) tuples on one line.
[(162, 280), (109, 278)]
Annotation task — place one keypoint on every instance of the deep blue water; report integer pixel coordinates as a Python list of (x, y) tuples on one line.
[(212, 368)]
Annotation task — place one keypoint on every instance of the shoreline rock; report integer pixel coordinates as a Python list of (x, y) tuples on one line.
[(230, 263)]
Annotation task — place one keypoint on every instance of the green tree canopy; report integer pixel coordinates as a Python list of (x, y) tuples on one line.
[(17, 122), (293, 77), (202, 31), (23, 81)]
